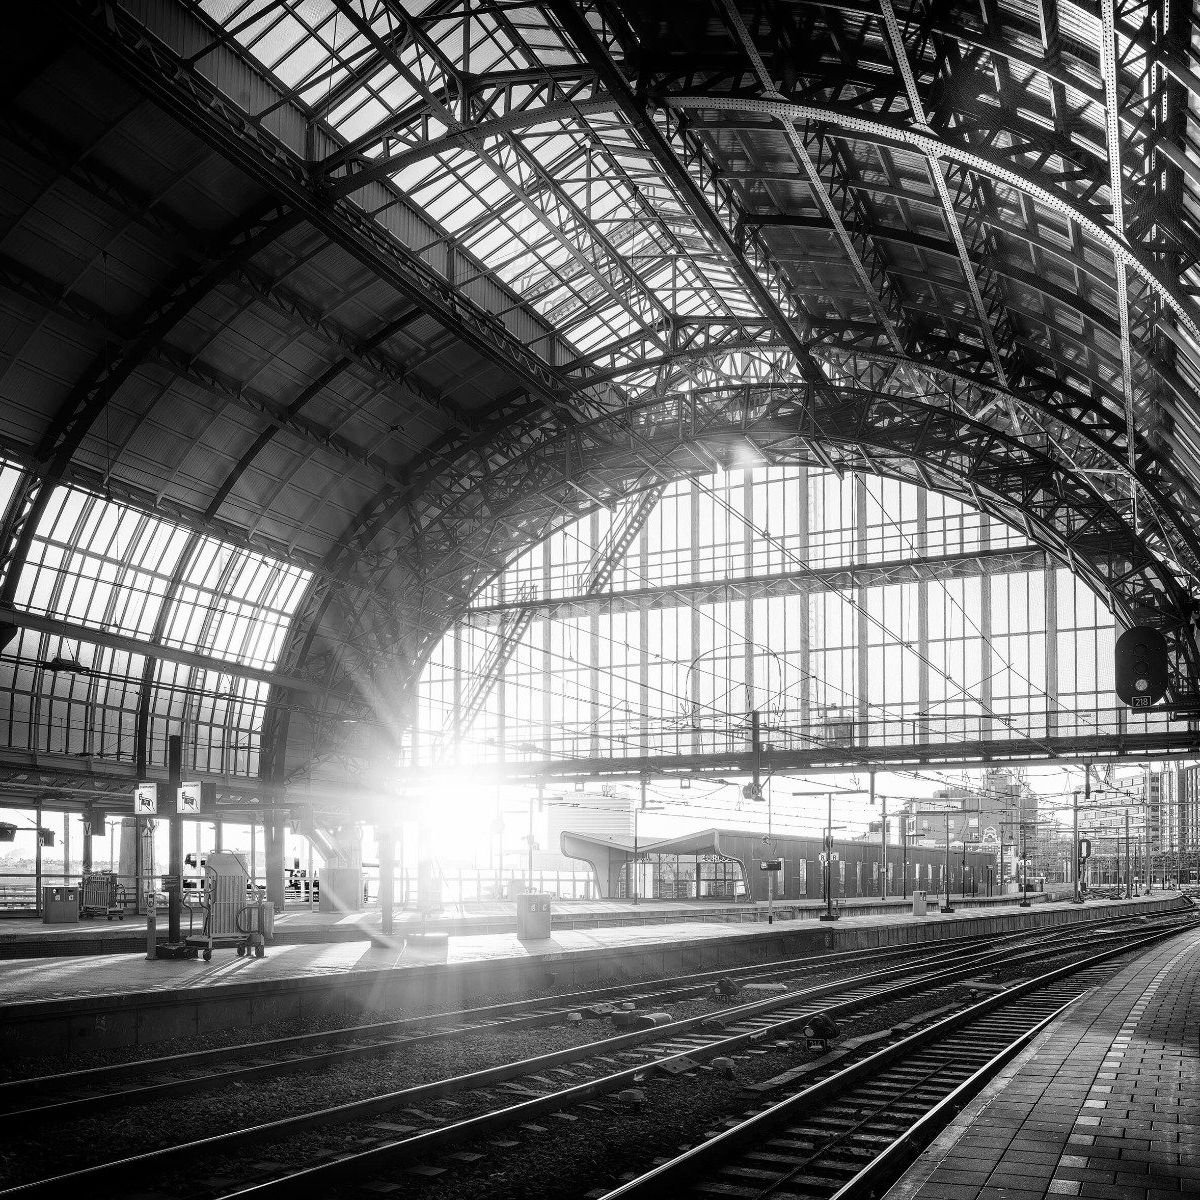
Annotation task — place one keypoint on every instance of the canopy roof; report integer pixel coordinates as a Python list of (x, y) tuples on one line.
[(315, 312)]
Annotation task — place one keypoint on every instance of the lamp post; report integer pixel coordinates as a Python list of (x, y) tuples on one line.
[(1024, 871), (949, 907), (828, 914), (641, 808)]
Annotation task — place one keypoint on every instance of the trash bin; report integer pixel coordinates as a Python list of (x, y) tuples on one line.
[(533, 917), (920, 903), (60, 905)]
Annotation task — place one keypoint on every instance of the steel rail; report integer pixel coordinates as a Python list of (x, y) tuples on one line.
[(406, 1032), (672, 1178), (25, 1100), (744, 1024)]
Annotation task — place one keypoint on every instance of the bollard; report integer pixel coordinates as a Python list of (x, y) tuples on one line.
[(151, 927)]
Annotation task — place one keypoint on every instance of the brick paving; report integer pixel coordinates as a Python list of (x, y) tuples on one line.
[(1104, 1105)]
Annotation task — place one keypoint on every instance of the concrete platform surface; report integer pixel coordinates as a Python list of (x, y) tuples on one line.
[(1104, 1104), (121, 974), (30, 937)]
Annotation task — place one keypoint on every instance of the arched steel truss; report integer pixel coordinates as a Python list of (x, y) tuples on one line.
[(1053, 387)]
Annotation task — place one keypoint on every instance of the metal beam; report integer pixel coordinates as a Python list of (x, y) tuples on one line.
[(627, 523), (893, 133), (153, 649), (1117, 746), (783, 583), (179, 85)]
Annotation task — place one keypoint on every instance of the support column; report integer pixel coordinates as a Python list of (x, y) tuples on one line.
[(37, 859), (805, 608), (386, 838), (593, 655), (175, 831), (695, 693), (643, 649), (1051, 652), (429, 897), (862, 627), (273, 834), (921, 733), (90, 817)]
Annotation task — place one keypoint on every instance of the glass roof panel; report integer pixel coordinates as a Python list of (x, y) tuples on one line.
[(99, 563), (555, 210), (234, 603)]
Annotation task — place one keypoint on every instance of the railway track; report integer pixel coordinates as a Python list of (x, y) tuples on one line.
[(514, 1093), (850, 1135), (65, 1095)]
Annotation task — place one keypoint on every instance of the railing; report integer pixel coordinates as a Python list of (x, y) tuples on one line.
[(474, 885), (825, 736), (18, 889)]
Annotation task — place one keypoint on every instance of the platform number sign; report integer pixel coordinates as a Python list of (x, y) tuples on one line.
[(189, 799), (145, 799)]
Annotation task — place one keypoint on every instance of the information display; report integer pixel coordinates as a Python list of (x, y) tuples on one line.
[(189, 799), (145, 799)]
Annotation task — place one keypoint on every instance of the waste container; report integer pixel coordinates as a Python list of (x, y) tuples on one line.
[(533, 917), (920, 903), (60, 905)]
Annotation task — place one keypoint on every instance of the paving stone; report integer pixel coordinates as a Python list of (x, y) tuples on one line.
[(1103, 1105)]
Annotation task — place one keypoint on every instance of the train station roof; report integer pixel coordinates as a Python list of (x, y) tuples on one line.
[(315, 312)]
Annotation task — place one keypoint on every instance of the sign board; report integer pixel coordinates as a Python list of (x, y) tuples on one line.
[(1085, 847), (170, 883), (1141, 702), (145, 799), (770, 864), (189, 799), (910, 826)]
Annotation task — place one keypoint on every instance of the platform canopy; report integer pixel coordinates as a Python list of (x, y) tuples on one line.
[(314, 313)]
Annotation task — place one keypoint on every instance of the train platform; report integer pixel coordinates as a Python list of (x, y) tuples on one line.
[(298, 924), (30, 937), (1104, 1104), (55, 1003)]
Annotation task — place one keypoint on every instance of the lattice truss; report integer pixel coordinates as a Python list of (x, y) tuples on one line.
[(955, 246)]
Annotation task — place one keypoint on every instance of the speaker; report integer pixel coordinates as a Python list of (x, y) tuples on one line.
[(1141, 666)]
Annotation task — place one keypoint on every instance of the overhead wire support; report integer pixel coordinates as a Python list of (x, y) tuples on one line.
[(1116, 187), (937, 176)]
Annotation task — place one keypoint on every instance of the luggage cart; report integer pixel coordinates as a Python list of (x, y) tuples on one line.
[(228, 919), (102, 896)]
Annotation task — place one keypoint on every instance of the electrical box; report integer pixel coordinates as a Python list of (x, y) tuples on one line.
[(533, 917)]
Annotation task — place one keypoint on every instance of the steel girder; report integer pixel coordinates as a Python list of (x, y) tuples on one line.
[(145, 58), (893, 753), (627, 524), (125, 197), (472, 464), (696, 593), (109, 371), (941, 448)]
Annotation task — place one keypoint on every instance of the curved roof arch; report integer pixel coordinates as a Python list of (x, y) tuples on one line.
[(343, 286)]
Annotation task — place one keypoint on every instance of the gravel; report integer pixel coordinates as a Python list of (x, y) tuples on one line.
[(588, 1148)]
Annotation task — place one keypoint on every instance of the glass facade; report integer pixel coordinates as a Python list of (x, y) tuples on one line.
[(109, 569), (842, 607)]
